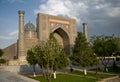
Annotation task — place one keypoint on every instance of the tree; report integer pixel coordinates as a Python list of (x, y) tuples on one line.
[(1, 52), (60, 62), (50, 56), (2, 61), (104, 46), (83, 54), (32, 59), (117, 42)]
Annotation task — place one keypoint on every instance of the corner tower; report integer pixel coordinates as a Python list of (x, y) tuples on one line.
[(85, 30), (21, 50)]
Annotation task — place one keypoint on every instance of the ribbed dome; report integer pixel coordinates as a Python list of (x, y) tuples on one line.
[(29, 26)]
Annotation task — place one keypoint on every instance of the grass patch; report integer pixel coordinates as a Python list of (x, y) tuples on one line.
[(66, 78), (75, 76), (92, 75), (115, 70)]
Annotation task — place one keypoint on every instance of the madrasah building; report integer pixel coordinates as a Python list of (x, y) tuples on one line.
[(64, 30)]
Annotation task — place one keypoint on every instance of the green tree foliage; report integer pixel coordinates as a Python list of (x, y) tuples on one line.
[(31, 59), (50, 56), (61, 61), (83, 54), (2, 61), (104, 46), (117, 42), (1, 52)]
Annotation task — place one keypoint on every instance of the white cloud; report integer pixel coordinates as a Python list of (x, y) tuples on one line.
[(115, 12), (6, 40), (14, 33), (100, 6), (63, 7), (10, 36), (5, 37)]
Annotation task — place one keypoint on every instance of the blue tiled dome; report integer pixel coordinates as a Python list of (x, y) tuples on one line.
[(29, 26)]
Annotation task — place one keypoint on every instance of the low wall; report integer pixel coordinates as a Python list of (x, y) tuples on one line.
[(24, 69)]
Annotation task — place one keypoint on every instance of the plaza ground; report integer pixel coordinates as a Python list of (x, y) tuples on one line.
[(6, 76)]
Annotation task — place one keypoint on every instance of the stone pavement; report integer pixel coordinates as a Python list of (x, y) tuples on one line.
[(114, 80), (6, 76)]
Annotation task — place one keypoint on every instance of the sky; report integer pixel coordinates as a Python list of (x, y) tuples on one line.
[(101, 16)]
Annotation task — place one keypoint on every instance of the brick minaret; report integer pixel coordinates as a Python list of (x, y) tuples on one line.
[(85, 31), (21, 49)]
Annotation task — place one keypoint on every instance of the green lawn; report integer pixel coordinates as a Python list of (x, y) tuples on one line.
[(75, 76), (110, 70), (114, 70), (66, 78), (93, 75)]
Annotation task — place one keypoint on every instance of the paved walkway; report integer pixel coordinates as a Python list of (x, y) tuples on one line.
[(6, 76), (114, 80)]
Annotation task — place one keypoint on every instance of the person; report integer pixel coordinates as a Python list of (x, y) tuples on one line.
[(71, 69)]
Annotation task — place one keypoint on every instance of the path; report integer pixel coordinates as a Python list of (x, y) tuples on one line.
[(6, 76)]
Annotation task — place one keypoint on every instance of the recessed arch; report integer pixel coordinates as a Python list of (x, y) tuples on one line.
[(62, 38)]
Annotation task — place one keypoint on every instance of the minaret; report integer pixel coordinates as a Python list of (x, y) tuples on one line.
[(21, 49), (85, 31)]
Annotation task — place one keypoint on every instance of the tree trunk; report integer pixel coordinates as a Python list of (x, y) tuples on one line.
[(43, 70), (48, 73), (54, 75), (34, 74), (48, 77), (105, 63), (106, 69), (34, 71), (97, 68), (85, 71)]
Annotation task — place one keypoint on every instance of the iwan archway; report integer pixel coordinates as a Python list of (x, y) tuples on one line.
[(63, 39), (64, 29)]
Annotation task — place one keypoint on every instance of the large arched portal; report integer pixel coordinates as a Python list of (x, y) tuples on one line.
[(64, 29), (63, 39)]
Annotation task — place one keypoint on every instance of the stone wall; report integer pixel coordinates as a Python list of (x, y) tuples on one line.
[(10, 52), (26, 69)]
